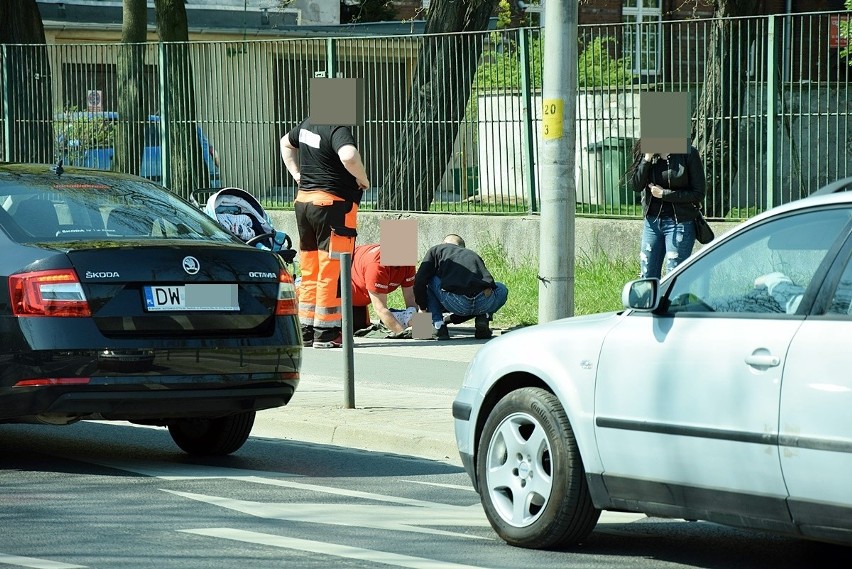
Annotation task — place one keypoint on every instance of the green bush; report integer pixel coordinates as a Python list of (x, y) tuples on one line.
[(596, 67), (77, 131)]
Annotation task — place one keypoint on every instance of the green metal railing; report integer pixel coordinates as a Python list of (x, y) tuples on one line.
[(770, 100)]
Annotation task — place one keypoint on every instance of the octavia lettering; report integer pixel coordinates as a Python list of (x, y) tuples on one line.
[(257, 275)]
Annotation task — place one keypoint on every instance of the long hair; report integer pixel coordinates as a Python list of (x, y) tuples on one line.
[(636, 152)]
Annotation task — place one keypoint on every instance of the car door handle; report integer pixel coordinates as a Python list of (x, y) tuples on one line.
[(763, 360)]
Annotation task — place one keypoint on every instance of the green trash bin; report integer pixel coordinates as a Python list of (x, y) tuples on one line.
[(617, 156), (468, 186)]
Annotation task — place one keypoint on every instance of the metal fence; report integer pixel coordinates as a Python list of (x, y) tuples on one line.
[(770, 96)]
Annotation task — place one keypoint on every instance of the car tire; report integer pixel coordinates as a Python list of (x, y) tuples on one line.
[(532, 481), (212, 437)]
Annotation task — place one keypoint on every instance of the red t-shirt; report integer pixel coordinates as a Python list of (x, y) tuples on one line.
[(369, 275)]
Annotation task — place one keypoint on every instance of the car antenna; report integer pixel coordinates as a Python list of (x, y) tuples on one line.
[(58, 168)]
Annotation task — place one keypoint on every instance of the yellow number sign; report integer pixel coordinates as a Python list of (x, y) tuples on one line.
[(552, 118)]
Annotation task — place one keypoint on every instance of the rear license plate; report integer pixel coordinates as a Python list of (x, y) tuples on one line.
[(191, 297)]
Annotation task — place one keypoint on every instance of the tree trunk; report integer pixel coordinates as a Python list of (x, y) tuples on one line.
[(716, 133), (439, 94), (130, 132), (28, 75), (184, 149)]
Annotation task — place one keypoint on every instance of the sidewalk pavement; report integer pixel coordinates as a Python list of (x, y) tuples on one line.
[(404, 391)]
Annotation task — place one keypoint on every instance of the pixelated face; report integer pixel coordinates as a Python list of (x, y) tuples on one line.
[(398, 240), (664, 122), (337, 101)]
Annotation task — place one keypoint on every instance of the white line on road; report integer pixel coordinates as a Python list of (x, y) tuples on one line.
[(467, 488), (35, 563), (414, 519), (324, 548), (181, 472)]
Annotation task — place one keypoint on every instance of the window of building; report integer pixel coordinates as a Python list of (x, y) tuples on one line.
[(643, 34)]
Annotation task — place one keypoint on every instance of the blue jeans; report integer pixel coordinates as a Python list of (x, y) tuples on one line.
[(439, 301), (664, 241)]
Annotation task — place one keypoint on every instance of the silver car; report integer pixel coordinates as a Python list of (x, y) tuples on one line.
[(722, 393)]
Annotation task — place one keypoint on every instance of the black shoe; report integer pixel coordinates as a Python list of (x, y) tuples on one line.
[(336, 342), (456, 319), (328, 338), (442, 333), (482, 331), (307, 336)]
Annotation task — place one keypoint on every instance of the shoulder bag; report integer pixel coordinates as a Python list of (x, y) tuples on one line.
[(703, 232)]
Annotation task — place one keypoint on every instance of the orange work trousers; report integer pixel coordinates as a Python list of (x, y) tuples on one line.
[(327, 227)]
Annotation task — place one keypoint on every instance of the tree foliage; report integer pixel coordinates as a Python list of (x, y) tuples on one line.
[(596, 67), (845, 30)]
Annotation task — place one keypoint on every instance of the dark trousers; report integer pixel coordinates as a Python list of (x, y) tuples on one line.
[(360, 317)]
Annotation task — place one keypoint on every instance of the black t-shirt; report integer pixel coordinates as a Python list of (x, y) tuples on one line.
[(319, 164), (461, 271)]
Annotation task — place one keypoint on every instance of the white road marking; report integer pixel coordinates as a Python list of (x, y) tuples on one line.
[(324, 548), (34, 563), (414, 519), (620, 517), (179, 472), (467, 488), (170, 471), (345, 493)]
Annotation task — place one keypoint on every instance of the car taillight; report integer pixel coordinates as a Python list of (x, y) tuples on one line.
[(52, 381), (48, 293), (286, 305)]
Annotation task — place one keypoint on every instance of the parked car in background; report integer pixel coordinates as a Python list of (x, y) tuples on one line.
[(86, 139), (721, 392), (122, 301)]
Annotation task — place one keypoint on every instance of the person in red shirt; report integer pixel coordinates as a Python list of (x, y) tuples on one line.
[(371, 284)]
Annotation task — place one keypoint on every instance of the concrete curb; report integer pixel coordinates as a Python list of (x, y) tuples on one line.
[(412, 421)]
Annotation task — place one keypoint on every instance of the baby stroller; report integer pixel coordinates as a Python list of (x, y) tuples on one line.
[(240, 213)]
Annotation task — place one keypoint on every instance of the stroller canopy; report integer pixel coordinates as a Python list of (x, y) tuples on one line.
[(239, 212)]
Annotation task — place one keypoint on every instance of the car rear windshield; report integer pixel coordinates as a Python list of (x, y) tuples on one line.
[(39, 208)]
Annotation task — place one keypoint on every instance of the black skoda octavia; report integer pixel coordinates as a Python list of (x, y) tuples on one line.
[(125, 302)]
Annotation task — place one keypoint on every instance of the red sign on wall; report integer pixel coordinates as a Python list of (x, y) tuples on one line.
[(834, 37)]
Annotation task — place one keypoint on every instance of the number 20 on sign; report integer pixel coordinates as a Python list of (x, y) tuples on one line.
[(551, 123)]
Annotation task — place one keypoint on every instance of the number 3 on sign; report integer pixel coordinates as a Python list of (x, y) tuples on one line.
[(552, 118)]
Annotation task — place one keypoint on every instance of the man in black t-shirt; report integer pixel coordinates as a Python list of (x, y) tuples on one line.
[(452, 278), (325, 162)]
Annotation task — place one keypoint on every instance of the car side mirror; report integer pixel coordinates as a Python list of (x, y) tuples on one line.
[(641, 294)]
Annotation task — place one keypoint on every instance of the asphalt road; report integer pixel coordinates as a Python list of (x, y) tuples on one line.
[(110, 495)]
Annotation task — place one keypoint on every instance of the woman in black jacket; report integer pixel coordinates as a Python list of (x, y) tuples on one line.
[(672, 187)]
